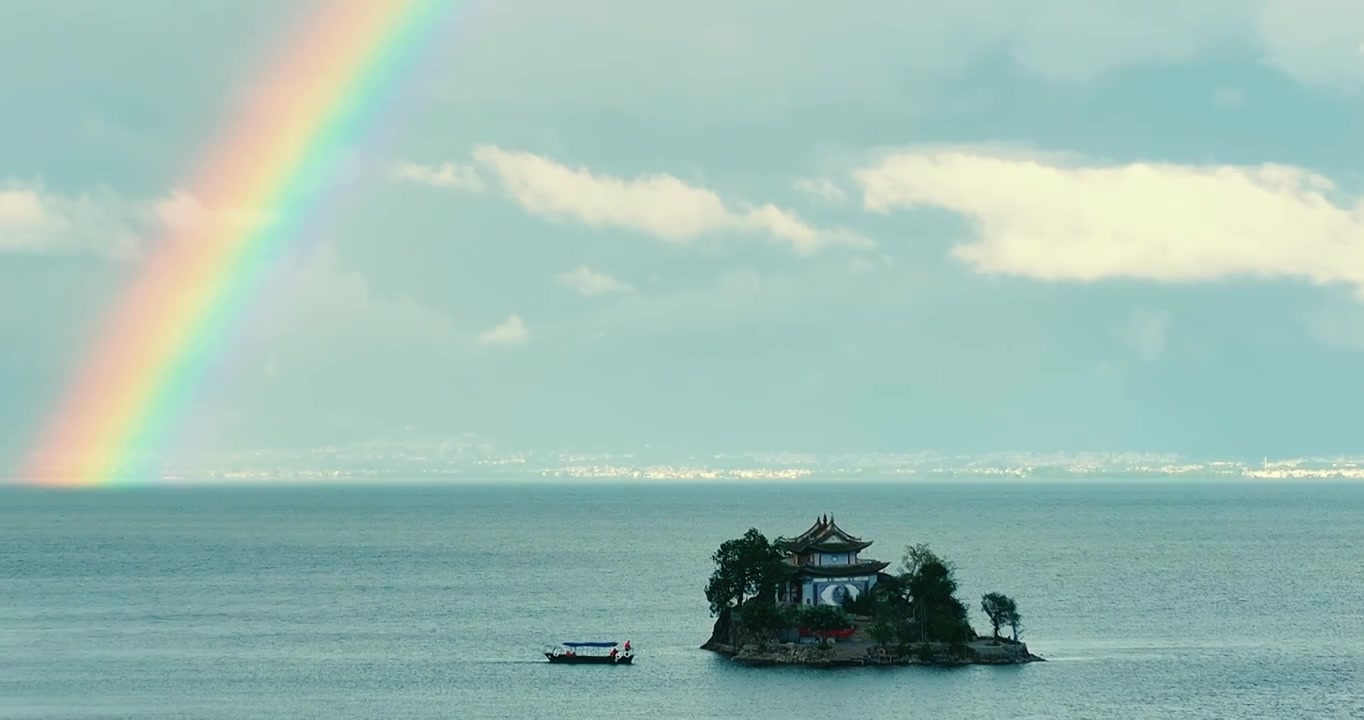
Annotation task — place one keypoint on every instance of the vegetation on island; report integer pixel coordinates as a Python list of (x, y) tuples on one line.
[(1001, 610), (743, 592), (745, 567), (913, 610)]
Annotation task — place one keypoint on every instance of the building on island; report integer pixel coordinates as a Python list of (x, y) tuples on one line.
[(826, 565)]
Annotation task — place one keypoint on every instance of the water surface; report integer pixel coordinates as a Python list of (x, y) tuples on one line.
[(1199, 600)]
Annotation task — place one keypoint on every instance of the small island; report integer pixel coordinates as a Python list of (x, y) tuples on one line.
[(815, 600)]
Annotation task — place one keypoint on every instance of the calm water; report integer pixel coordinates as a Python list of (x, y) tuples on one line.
[(1157, 600)]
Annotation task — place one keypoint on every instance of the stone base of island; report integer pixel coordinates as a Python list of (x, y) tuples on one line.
[(859, 652), (815, 600)]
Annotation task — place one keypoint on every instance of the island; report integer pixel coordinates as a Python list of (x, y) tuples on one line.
[(816, 600)]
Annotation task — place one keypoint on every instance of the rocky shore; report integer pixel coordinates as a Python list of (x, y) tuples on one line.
[(859, 651), (982, 651)]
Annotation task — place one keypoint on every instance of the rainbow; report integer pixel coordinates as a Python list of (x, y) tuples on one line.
[(139, 374)]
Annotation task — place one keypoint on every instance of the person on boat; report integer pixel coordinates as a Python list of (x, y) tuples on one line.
[(627, 646), (613, 653)]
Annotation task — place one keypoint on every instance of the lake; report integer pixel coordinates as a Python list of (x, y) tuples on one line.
[(1149, 599)]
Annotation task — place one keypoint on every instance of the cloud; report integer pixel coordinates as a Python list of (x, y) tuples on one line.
[(1053, 219), (511, 331), (822, 188), (658, 204), (804, 238), (445, 175), (1145, 332), (35, 220), (589, 283), (21, 208), (181, 211)]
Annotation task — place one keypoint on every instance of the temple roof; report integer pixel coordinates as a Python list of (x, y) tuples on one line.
[(824, 536), (866, 567)]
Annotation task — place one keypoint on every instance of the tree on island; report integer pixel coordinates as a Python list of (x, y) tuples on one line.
[(1000, 609), (863, 603), (883, 631), (891, 605), (916, 556), (931, 586), (745, 567), (824, 619), (764, 619)]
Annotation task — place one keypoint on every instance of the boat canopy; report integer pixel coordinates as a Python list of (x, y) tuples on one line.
[(590, 644)]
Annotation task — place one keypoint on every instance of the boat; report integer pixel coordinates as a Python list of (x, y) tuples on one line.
[(569, 655)]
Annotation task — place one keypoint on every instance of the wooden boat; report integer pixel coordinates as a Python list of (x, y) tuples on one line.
[(569, 654)]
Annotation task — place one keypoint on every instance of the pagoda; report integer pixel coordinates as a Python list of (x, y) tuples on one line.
[(826, 565)]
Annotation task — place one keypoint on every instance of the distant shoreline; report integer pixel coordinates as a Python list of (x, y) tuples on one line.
[(458, 479), (447, 463)]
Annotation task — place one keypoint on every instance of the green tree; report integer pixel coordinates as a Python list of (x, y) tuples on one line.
[(863, 603), (763, 619), (748, 566), (932, 588), (891, 597), (906, 633), (916, 556), (824, 619), (883, 632), (999, 608), (1015, 622)]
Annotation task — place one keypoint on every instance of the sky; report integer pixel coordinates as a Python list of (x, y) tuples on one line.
[(707, 226)]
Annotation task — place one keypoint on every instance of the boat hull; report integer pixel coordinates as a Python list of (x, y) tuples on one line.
[(589, 659)]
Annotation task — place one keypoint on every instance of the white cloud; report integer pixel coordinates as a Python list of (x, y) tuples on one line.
[(1145, 332), (181, 211), (659, 204), (21, 208), (511, 331), (822, 188), (1055, 220), (446, 175), (589, 283), (35, 220), (804, 238)]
